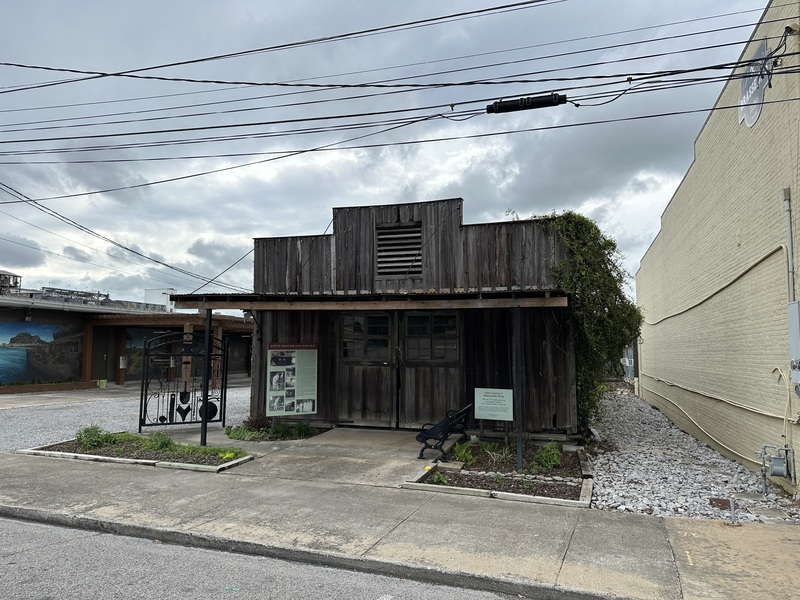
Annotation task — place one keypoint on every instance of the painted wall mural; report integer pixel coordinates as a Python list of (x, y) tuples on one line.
[(39, 351)]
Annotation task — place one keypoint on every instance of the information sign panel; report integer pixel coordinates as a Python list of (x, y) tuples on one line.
[(291, 380), (495, 404)]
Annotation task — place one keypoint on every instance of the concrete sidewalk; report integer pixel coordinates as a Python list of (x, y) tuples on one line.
[(329, 501)]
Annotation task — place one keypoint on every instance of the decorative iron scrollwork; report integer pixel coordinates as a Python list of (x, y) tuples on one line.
[(172, 381)]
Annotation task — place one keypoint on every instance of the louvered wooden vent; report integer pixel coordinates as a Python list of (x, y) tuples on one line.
[(400, 250)]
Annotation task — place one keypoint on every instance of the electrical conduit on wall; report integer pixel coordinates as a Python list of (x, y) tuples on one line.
[(787, 412)]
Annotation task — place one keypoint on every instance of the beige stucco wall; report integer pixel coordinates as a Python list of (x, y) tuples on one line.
[(713, 285)]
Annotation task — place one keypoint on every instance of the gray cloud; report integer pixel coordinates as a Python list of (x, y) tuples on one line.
[(19, 252), (204, 224), (76, 253)]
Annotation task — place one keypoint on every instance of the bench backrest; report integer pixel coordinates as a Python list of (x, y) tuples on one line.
[(460, 416)]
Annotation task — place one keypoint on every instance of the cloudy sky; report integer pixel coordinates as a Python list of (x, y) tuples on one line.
[(145, 144)]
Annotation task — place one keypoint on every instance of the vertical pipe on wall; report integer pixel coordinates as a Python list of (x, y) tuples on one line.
[(787, 206)]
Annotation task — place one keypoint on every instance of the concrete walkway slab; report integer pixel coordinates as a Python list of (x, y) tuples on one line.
[(481, 535), (752, 560), (334, 501), (619, 554), (353, 456)]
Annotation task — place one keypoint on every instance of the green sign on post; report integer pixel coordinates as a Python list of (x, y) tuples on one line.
[(494, 404)]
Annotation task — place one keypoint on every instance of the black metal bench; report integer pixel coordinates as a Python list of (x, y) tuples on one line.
[(453, 422)]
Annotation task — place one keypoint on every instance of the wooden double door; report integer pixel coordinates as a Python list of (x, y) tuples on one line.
[(398, 369)]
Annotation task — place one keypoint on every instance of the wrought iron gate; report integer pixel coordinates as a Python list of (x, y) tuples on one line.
[(172, 380)]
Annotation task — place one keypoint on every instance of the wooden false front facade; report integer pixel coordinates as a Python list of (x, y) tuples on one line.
[(411, 311)]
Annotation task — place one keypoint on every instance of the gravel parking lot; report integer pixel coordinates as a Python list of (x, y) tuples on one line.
[(114, 410)]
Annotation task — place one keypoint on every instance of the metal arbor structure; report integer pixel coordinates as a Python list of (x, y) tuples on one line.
[(182, 374)]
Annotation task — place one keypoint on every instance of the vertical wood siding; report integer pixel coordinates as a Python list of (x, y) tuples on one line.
[(547, 383), (511, 255), (297, 328), (293, 265)]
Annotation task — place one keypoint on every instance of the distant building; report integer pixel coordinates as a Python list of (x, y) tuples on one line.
[(62, 334), (9, 282), (161, 296), (718, 282)]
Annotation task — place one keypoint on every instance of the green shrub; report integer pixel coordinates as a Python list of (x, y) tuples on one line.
[(93, 437), (302, 429), (243, 433), (258, 422), (159, 441), (603, 319), (499, 455), (280, 431), (463, 453), (488, 447), (548, 456), (439, 478)]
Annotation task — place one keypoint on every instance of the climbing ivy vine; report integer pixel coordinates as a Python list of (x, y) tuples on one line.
[(603, 319)]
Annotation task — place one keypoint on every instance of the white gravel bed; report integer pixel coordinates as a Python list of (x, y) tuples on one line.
[(660, 470), (34, 426)]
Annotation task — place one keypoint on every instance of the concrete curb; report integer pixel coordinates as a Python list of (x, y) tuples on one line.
[(137, 461), (585, 500), (88, 457), (519, 588)]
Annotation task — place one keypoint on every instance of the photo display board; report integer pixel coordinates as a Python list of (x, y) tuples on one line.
[(495, 404), (291, 380)]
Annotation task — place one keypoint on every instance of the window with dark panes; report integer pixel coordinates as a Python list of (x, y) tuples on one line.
[(432, 337), (365, 337)]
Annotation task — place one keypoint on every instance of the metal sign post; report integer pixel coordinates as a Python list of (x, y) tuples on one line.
[(518, 382), (206, 377)]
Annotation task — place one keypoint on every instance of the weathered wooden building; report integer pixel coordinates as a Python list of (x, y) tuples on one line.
[(410, 311)]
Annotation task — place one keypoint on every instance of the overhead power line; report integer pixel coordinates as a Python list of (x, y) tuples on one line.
[(380, 83), (22, 198), (504, 80), (291, 45), (630, 76), (330, 147), (449, 59)]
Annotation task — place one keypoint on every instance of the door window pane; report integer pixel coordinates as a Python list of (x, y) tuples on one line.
[(352, 348), (444, 325), (378, 349), (418, 325), (378, 325), (418, 348), (432, 337), (365, 337)]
